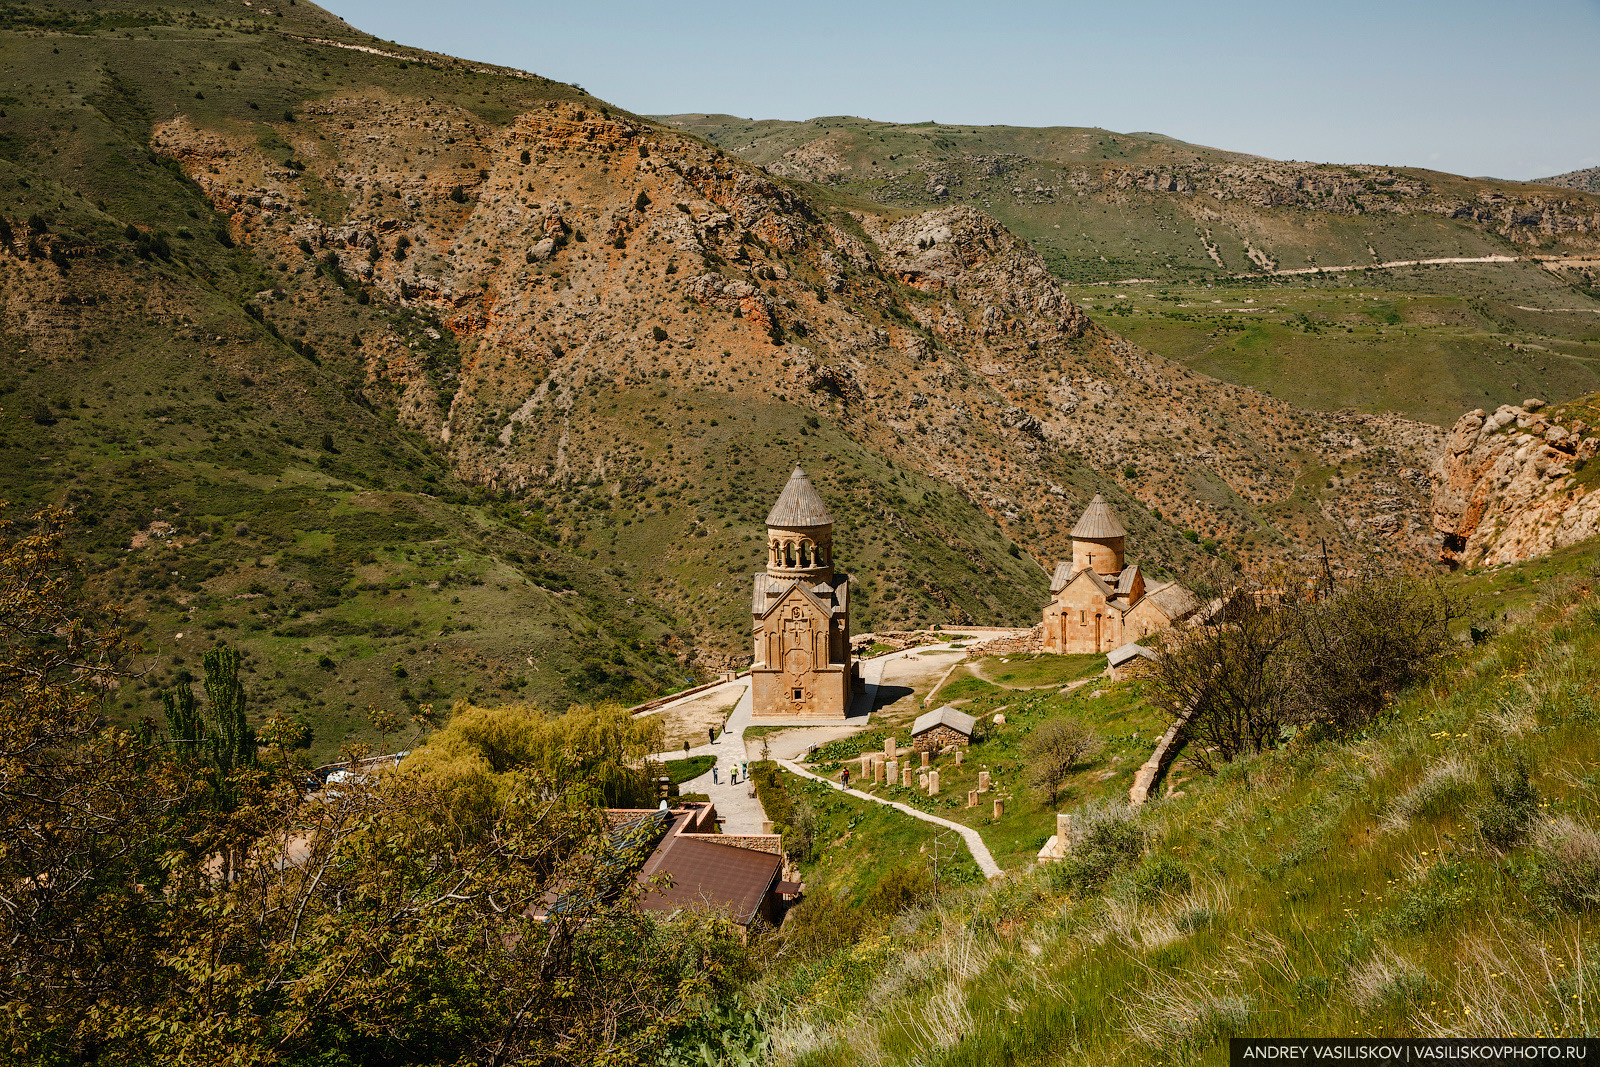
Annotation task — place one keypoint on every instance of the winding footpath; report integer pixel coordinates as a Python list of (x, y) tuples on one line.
[(975, 845)]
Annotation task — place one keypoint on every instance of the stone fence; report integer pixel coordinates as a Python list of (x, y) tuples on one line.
[(1013, 645)]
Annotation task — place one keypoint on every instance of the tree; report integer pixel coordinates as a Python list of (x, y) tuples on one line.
[(143, 922), (1261, 663), (1054, 749)]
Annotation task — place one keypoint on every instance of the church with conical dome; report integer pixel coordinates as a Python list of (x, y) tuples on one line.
[(1098, 602), (800, 614)]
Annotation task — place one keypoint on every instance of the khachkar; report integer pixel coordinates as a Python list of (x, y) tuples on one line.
[(801, 614)]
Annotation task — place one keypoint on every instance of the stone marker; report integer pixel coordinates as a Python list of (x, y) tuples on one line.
[(958, 755), (893, 772), (877, 770), (972, 798), (866, 766), (890, 749), (983, 781), (766, 826), (933, 783), (1063, 831), (999, 807), (924, 757)]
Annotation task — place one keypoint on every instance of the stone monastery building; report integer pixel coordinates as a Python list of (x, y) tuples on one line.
[(801, 615), (1098, 602)]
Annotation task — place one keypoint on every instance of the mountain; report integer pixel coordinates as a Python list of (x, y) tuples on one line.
[(1289, 277), (1586, 180), (419, 379)]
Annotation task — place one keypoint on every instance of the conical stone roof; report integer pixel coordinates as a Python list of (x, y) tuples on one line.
[(1098, 524), (799, 504)]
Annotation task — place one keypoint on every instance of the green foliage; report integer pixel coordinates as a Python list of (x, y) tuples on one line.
[(1160, 875), (1107, 839), (902, 887), (1506, 815), (481, 756)]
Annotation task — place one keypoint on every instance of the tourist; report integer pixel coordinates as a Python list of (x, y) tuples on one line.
[(714, 775), (711, 732), (844, 778)]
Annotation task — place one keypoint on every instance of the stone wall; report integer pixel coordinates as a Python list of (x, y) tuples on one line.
[(1016, 644), (772, 843), (940, 736)]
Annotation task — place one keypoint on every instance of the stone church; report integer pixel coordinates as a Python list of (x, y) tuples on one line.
[(801, 615), (1097, 601)]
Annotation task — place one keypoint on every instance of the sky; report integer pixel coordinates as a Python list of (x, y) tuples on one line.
[(1508, 90)]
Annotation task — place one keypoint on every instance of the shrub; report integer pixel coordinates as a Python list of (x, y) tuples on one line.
[(1054, 749), (821, 924), (1505, 816), (1109, 840), (902, 887), (1160, 876), (1569, 861)]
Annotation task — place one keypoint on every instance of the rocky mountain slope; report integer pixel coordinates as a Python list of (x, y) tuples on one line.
[(1468, 268), (338, 333), (1518, 482), (1586, 180)]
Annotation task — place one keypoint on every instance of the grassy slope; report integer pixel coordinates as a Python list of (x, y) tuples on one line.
[(1451, 354), (1332, 888), (311, 528)]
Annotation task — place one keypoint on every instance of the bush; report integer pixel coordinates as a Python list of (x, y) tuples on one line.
[(1109, 840), (1505, 817), (1160, 876), (1054, 749), (821, 924), (1569, 861), (901, 888)]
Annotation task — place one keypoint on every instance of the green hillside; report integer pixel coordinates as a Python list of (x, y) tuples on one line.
[(1409, 880)]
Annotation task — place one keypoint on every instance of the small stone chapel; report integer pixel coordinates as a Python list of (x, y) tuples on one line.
[(1097, 601), (800, 614)]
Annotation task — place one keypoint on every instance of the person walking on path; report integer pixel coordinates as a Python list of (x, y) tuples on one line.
[(711, 732), (714, 775), (844, 778)]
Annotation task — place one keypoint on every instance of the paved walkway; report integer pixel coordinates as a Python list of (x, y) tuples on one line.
[(975, 845), (740, 810)]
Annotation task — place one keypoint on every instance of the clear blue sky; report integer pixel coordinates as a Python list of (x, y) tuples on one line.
[(1504, 89)]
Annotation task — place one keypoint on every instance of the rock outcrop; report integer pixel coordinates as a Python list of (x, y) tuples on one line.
[(1510, 485)]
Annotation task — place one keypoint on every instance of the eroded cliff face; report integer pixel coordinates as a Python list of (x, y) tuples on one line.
[(579, 256), (1516, 484)]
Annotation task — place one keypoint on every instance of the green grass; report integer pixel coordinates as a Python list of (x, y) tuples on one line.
[(1337, 888)]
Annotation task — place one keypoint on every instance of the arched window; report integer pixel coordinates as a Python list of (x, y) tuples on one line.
[(788, 553), (805, 553)]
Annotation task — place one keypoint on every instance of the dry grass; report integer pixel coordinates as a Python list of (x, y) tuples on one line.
[(1569, 860)]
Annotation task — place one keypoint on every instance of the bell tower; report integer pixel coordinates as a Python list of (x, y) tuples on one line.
[(1097, 540), (800, 533), (800, 614)]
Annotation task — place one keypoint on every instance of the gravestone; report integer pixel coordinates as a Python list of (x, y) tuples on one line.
[(999, 807), (924, 757), (893, 772), (1063, 832), (933, 783), (983, 781), (877, 770), (866, 767), (958, 755), (890, 749), (972, 798)]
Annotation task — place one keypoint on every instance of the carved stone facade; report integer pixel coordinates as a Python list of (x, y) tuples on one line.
[(800, 615), (1097, 601)]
